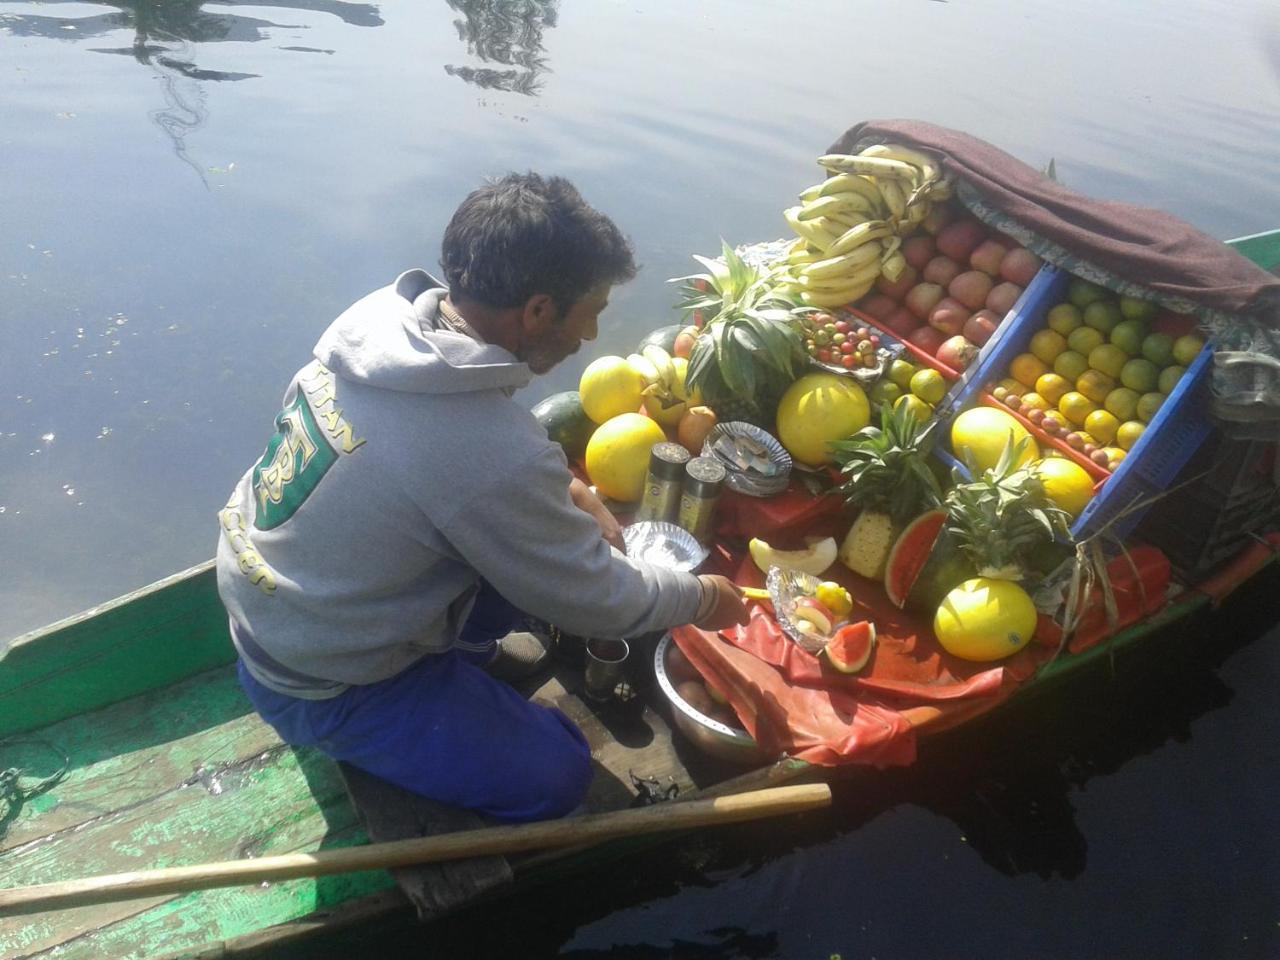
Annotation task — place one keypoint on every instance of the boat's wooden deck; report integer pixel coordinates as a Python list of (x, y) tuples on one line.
[(189, 774)]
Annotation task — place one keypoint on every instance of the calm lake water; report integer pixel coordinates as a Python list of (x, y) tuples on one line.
[(190, 192)]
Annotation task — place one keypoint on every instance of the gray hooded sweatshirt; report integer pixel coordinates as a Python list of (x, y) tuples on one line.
[(400, 473)]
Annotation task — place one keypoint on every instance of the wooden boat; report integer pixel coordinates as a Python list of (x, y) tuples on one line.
[(167, 764)]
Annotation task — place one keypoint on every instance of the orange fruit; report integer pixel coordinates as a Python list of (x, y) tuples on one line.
[(1013, 386), (1076, 407), (1033, 401), (1095, 385), (1047, 344), (1027, 368), (1069, 365)]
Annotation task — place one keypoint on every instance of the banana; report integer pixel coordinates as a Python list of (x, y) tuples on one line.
[(805, 254), (809, 194), (808, 230), (871, 167), (893, 265), (928, 167), (942, 189), (663, 363), (894, 197), (847, 263), (835, 204), (916, 213), (853, 183), (889, 247), (856, 236), (835, 299)]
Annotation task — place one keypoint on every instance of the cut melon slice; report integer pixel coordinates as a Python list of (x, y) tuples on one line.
[(850, 649), (814, 560)]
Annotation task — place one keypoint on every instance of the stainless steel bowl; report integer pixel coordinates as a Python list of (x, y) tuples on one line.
[(708, 734)]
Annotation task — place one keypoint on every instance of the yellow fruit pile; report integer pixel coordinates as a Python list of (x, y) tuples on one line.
[(1096, 375)]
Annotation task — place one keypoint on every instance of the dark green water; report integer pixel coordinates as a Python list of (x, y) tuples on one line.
[(190, 192)]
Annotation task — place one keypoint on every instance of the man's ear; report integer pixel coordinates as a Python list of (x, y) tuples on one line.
[(538, 313)]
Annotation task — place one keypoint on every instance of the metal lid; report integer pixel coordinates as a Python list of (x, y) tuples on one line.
[(703, 477), (667, 460)]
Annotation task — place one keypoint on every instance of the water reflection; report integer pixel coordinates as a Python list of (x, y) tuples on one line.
[(164, 34), (506, 32)]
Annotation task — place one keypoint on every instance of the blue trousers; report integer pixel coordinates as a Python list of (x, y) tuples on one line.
[(446, 730)]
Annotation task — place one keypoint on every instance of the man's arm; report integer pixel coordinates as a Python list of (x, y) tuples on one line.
[(590, 504)]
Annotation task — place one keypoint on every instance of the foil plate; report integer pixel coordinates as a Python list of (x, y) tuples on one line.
[(785, 587), (663, 545), (752, 482)]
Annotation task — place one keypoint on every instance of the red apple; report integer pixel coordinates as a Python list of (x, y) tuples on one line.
[(898, 289), (957, 353), (987, 257), (877, 305), (1019, 266), (971, 289), (941, 270), (918, 250), (1002, 298), (979, 328), (958, 240), (922, 298), (927, 339), (949, 316), (901, 321)]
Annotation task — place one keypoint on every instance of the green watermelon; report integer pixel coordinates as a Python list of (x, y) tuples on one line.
[(562, 416), (665, 337), (925, 563)]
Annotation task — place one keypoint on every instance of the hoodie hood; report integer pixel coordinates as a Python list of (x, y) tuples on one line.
[(393, 339)]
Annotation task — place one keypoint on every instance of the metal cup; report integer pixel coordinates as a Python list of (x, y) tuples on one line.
[(606, 667)]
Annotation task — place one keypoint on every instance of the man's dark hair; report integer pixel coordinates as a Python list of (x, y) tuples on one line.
[(523, 235)]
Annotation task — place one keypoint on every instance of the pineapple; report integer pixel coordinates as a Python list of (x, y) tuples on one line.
[(999, 519), (748, 351), (888, 476)]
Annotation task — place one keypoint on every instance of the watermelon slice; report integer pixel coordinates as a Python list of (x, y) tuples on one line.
[(910, 553), (850, 649)]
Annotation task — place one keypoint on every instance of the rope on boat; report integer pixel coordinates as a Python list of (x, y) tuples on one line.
[(12, 792)]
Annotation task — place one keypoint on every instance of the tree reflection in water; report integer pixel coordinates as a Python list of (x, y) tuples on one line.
[(165, 33), (505, 32)]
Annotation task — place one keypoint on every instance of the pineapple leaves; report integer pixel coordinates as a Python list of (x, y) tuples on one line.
[(886, 467), (1002, 515)]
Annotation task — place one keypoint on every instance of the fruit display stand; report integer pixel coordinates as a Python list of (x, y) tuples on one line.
[(1172, 436)]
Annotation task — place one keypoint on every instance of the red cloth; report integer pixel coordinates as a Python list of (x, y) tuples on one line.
[(1145, 246)]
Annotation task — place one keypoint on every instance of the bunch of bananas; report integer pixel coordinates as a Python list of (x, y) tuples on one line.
[(850, 226)]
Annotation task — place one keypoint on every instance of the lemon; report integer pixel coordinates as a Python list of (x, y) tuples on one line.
[(610, 386), (918, 408), (817, 409), (1066, 483), (1102, 426), (985, 619), (983, 433), (1129, 433), (618, 455), (1052, 386), (1075, 407), (928, 385)]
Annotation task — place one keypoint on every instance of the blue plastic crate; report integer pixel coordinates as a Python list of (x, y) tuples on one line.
[(1173, 435)]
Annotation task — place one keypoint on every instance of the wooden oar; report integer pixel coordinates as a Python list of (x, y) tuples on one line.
[(592, 828)]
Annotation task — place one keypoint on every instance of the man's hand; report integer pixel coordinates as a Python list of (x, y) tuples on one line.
[(722, 606), (589, 503)]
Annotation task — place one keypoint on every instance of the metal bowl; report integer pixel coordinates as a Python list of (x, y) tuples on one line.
[(663, 545), (707, 734), (736, 478)]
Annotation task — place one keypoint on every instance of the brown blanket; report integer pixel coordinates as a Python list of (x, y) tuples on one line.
[(1142, 247)]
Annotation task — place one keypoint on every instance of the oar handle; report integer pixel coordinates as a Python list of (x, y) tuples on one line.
[(592, 828)]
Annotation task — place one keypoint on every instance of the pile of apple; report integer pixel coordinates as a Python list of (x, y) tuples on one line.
[(960, 281)]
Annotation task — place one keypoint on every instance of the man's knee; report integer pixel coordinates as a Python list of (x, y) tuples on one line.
[(559, 778)]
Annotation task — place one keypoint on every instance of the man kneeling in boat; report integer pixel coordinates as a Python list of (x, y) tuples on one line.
[(379, 560)]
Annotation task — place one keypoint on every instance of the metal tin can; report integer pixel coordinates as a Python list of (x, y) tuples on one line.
[(703, 478), (661, 500)]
